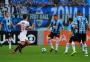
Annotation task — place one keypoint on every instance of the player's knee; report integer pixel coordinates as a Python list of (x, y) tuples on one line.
[(57, 39), (49, 38)]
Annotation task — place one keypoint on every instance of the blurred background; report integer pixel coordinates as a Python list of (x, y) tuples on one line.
[(41, 12)]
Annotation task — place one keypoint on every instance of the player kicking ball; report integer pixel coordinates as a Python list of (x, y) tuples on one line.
[(55, 28), (24, 25)]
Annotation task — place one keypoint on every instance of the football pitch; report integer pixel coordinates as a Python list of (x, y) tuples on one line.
[(33, 54)]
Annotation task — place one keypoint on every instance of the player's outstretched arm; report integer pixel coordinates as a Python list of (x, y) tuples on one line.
[(30, 27)]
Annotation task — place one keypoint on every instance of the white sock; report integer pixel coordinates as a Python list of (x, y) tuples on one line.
[(81, 44), (67, 47), (57, 43), (50, 42), (73, 46), (85, 48), (9, 44)]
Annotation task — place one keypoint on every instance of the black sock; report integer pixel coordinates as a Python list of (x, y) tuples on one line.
[(17, 48), (22, 46)]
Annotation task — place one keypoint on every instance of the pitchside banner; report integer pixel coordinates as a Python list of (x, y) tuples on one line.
[(42, 14), (31, 35), (65, 36)]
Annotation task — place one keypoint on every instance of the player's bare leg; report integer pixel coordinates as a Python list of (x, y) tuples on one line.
[(24, 45), (18, 48)]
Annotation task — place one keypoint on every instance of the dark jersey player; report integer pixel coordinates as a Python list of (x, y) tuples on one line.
[(6, 27), (81, 25), (55, 27)]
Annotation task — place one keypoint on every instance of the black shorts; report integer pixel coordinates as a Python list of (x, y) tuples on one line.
[(78, 37), (83, 37), (52, 35)]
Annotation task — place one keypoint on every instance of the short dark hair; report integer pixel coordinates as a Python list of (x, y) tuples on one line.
[(25, 16), (78, 11), (55, 15), (70, 19), (6, 12)]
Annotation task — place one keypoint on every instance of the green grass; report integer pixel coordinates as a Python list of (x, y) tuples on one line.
[(33, 54)]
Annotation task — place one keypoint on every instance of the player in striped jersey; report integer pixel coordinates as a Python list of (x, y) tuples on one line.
[(56, 26), (81, 25), (6, 28)]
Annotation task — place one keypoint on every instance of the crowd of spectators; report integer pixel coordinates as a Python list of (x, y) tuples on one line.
[(49, 2)]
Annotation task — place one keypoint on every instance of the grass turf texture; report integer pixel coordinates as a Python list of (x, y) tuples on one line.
[(33, 54)]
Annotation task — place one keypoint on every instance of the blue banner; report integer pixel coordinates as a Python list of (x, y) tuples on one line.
[(64, 12), (41, 16)]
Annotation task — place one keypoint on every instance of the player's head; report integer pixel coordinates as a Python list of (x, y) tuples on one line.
[(25, 17), (79, 13), (70, 20), (6, 14), (55, 17)]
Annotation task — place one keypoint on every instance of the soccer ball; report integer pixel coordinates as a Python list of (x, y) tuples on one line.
[(43, 50)]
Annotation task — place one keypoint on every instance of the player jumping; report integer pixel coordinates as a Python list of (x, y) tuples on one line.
[(24, 25)]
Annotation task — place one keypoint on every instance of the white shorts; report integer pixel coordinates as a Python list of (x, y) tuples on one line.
[(22, 36)]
